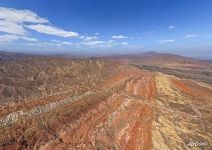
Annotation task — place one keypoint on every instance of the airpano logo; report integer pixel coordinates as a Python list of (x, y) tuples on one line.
[(197, 143)]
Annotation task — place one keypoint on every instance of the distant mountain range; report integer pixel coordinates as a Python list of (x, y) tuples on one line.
[(157, 58), (148, 57)]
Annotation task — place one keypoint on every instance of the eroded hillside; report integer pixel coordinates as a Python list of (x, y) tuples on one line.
[(128, 109), (35, 77)]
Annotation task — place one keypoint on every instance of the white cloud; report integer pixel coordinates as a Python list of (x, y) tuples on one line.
[(167, 41), (12, 20), (60, 43), (55, 40), (8, 26), (190, 36), (42, 44), (124, 43), (9, 38), (90, 38), (15, 21), (52, 44), (92, 43), (103, 44), (28, 38), (51, 30), (111, 41), (89, 44), (119, 37), (171, 27), (81, 37), (20, 16), (67, 43)]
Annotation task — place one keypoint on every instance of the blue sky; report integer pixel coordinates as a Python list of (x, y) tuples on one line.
[(107, 26)]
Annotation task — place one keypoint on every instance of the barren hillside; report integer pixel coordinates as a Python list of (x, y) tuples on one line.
[(35, 77), (56, 103)]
